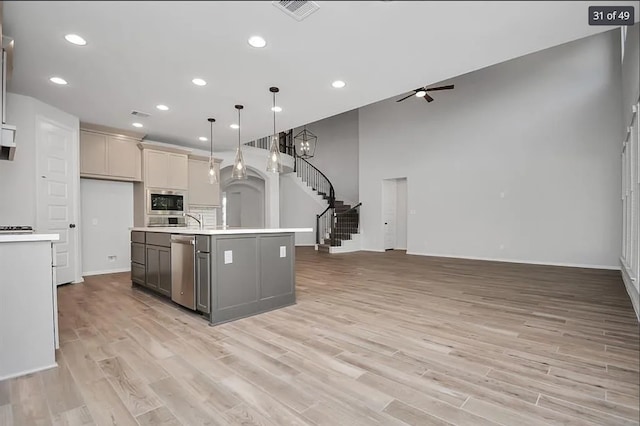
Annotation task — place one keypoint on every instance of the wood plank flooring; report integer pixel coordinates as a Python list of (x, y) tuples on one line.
[(375, 338)]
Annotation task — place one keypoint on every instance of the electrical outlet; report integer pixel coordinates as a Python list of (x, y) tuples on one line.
[(283, 251), (112, 258), (94, 221)]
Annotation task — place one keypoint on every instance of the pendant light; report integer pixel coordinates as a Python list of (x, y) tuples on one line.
[(239, 167), (274, 164), (213, 176)]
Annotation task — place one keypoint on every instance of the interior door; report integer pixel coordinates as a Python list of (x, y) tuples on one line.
[(57, 189), (389, 189)]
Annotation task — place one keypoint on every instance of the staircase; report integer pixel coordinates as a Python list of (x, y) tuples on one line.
[(338, 226)]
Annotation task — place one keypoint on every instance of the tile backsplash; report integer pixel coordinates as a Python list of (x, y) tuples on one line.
[(209, 216)]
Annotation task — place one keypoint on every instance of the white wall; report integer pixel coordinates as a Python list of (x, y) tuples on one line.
[(298, 208), (521, 162), (337, 153), (107, 215)]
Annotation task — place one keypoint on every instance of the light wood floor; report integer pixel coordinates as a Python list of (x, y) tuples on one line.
[(376, 338)]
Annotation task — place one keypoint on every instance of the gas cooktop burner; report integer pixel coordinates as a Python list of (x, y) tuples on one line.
[(16, 230)]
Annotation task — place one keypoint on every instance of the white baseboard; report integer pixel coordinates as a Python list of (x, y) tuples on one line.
[(373, 250), (31, 371), (632, 291), (306, 245), (106, 271), (528, 262)]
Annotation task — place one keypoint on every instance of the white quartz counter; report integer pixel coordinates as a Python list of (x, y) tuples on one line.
[(221, 231), (16, 238)]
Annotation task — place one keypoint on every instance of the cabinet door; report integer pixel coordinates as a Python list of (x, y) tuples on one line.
[(93, 153), (137, 273), (153, 267), (137, 253), (164, 283), (177, 171), (203, 281), (156, 169), (124, 158), (201, 192)]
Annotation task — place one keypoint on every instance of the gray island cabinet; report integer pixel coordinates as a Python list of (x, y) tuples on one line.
[(236, 272)]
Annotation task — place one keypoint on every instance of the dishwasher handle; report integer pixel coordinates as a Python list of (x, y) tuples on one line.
[(183, 239)]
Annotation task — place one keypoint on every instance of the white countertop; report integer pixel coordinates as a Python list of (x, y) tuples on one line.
[(16, 238), (221, 231)]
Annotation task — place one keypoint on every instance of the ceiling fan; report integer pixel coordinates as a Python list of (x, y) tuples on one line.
[(422, 92)]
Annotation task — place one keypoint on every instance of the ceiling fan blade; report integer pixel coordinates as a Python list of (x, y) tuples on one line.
[(440, 88), (406, 97), (428, 98)]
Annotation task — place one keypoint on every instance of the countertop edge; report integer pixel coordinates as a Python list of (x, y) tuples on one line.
[(196, 231), (17, 238)]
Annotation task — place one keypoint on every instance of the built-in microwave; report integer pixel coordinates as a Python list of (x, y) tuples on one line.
[(161, 202)]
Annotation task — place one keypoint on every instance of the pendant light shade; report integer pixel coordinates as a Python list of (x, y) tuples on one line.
[(213, 176), (239, 166), (274, 163)]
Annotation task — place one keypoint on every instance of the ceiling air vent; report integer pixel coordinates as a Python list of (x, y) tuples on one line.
[(140, 114), (297, 9)]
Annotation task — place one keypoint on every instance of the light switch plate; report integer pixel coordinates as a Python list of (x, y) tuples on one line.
[(228, 256), (283, 251)]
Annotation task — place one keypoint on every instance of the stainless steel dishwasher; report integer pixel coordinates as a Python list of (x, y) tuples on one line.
[(182, 270)]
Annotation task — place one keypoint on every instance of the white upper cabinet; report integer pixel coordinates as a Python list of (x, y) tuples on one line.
[(109, 156), (165, 170)]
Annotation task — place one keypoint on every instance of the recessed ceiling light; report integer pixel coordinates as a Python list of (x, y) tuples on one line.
[(257, 41), (276, 109), (58, 80), (162, 107), (75, 39), (137, 125), (234, 126), (203, 139), (421, 93), (199, 82), (338, 84)]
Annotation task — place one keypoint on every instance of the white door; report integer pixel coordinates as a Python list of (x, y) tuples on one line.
[(389, 202), (57, 188)]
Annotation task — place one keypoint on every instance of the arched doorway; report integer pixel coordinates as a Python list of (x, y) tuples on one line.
[(243, 201)]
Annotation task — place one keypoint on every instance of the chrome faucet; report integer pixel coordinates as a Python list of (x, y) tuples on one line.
[(197, 218)]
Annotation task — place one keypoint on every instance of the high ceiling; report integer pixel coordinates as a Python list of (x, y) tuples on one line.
[(140, 54)]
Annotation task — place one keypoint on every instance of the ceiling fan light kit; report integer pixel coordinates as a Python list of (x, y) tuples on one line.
[(421, 92)]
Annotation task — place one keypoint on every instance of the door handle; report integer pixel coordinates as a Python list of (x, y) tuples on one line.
[(72, 225)]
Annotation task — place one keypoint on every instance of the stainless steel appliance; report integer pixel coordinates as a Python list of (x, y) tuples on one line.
[(165, 202), (182, 270), (166, 221), (16, 230)]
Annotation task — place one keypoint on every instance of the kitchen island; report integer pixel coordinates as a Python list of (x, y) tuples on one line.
[(224, 273)]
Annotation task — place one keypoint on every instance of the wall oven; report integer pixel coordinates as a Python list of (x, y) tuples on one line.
[(166, 202)]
